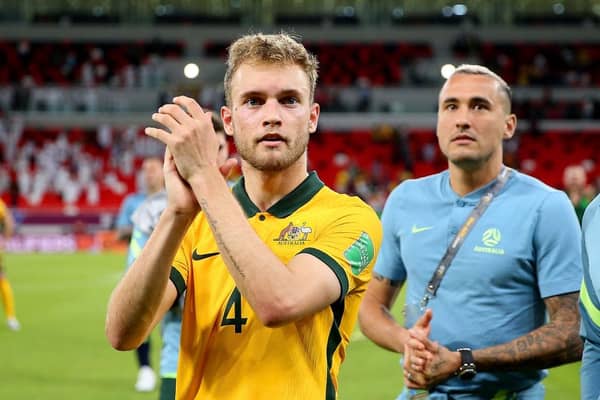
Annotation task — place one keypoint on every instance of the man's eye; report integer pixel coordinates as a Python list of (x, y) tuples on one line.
[(289, 100), (252, 101)]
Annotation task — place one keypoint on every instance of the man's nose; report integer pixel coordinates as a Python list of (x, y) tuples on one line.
[(462, 119), (272, 113)]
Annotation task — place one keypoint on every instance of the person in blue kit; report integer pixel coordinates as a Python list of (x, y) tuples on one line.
[(153, 181), (590, 303), (144, 219), (505, 249)]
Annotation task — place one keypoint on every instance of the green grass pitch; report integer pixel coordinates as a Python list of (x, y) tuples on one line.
[(61, 352)]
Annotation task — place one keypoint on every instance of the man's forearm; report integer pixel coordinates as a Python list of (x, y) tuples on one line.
[(262, 278), (375, 319), (558, 342), (133, 305)]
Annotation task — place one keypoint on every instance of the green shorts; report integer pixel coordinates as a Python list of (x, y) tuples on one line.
[(167, 389)]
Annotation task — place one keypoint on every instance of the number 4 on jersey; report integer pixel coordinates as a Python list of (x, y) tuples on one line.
[(235, 301)]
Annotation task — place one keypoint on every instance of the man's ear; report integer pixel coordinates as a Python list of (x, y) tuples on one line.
[(510, 126), (313, 121), (227, 120)]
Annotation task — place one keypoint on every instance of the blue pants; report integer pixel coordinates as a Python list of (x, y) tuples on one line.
[(535, 392), (590, 372)]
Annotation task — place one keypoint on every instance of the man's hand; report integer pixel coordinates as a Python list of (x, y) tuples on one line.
[(191, 138), (179, 194), (416, 354), (440, 363)]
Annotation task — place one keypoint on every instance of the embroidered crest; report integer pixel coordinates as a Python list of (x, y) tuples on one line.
[(294, 234), (360, 253)]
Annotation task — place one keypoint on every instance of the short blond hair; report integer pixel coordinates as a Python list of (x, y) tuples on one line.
[(282, 49)]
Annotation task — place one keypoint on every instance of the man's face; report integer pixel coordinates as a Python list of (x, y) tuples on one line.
[(473, 120), (153, 175), (271, 115)]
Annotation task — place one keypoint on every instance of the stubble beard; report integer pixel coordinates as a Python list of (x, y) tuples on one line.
[(470, 163), (271, 162)]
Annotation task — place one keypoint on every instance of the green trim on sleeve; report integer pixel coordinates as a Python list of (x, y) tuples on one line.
[(334, 265), (333, 342), (178, 281)]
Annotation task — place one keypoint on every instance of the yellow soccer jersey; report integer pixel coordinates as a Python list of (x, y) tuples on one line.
[(2, 211), (226, 352)]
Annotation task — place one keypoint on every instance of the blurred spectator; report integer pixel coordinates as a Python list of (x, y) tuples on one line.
[(364, 94), (22, 94), (579, 191)]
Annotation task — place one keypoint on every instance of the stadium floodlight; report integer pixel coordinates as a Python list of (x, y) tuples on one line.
[(447, 70), (459, 9), (191, 70)]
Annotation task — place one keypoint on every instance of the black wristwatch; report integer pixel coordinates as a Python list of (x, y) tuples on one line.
[(467, 369)]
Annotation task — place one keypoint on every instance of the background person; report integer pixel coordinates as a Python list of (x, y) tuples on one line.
[(7, 224), (520, 260), (152, 176), (589, 303)]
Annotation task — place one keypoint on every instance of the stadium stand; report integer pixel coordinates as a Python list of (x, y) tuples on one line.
[(76, 91)]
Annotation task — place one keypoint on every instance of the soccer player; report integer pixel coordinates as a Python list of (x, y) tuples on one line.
[(493, 249), (7, 224), (152, 175), (274, 269), (589, 303)]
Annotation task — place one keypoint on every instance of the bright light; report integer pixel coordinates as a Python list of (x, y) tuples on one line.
[(447, 70), (191, 70), (459, 9)]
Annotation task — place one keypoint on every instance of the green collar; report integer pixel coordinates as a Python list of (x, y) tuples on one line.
[(288, 204)]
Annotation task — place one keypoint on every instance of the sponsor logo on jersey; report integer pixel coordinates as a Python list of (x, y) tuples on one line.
[(360, 253), (293, 235), (491, 239)]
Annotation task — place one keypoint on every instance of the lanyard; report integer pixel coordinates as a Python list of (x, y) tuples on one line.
[(459, 239)]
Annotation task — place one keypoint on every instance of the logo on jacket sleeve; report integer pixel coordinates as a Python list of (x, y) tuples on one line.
[(360, 253), (294, 234)]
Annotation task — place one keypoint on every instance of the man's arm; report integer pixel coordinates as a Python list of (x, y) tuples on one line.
[(552, 344), (557, 342), (278, 293), (145, 293), (9, 224), (123, 224), (375, 319)]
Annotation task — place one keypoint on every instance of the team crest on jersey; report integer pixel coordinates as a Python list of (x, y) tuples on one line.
[(491, 238), (294, 234), (360, 253)]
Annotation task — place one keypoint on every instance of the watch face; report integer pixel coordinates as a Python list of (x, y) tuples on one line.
[(467, 374)]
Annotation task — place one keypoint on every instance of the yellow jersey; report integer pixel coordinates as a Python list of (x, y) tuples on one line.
[(3, 212), (226, 352)]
